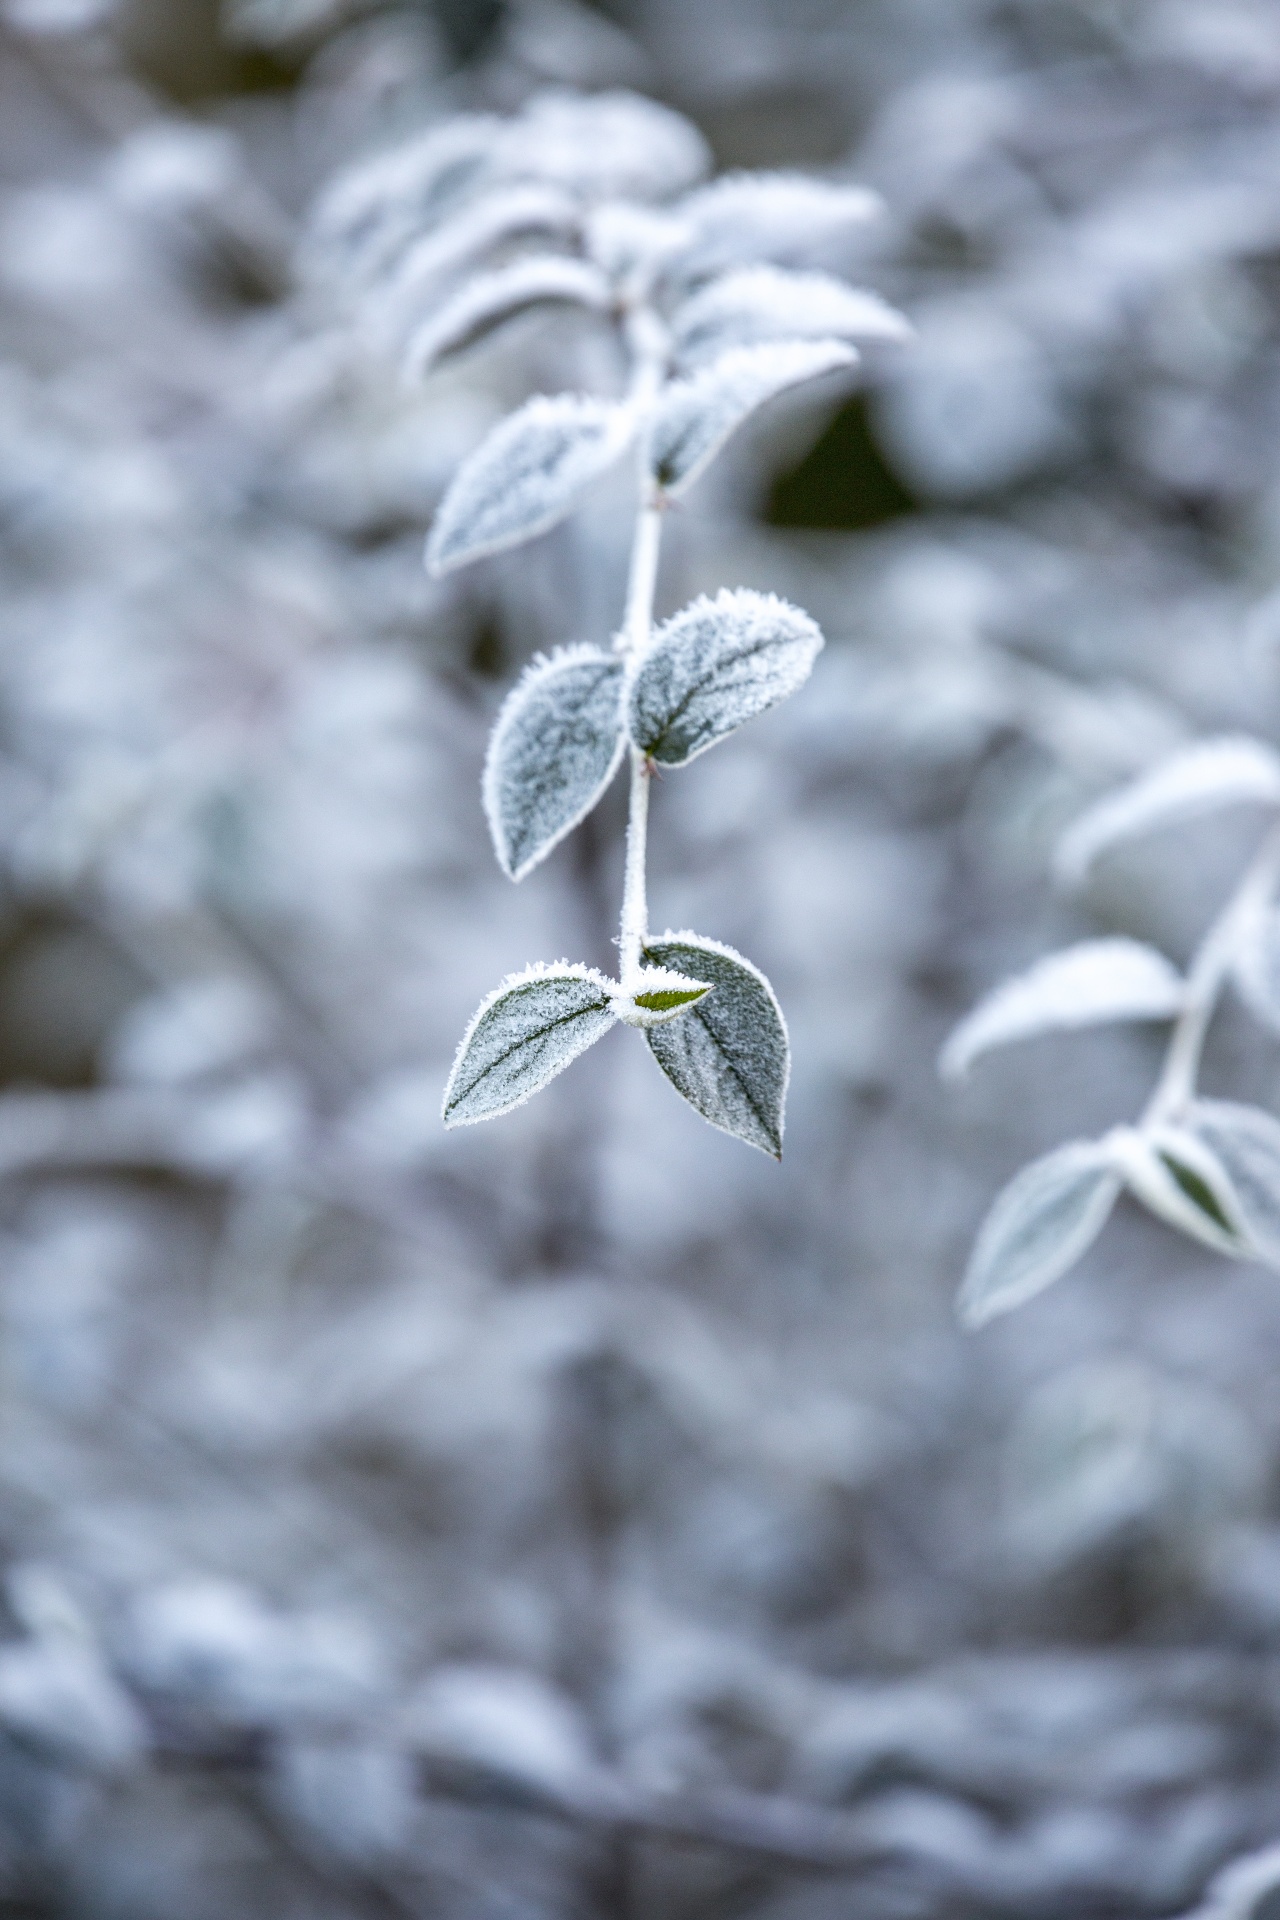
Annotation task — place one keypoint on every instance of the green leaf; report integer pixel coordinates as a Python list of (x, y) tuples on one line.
[(1177, 1175), (663, 1002), (523, 1035), (1198, 1191), (728, 1055)]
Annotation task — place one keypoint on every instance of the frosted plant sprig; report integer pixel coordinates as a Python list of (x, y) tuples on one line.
[(718, 311), (1209, 1168)]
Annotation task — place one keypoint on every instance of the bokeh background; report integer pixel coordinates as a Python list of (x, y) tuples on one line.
[(580, 1517)]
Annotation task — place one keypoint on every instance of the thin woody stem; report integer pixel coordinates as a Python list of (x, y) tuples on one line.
[(649, 345), (641, 581), (635, 914)]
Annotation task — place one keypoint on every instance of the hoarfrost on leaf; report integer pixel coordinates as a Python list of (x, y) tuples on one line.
[(786, 217), (376, 206), (492, 298), (553, 751), (58, 1697), (274, 23), (1213, 773), (754, 304), (1178, 1177), (1245, 1141), (693, 418), (1038, 1227), (607, 145), (627, 240), (1241, 1890), (715, 666), (1083, 985), (525, 476), (729, 1055), (660, 996), (497, 219), (506, 1729), (523, 1035)]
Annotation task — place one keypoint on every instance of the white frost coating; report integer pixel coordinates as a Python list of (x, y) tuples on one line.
[(379, 201), (1213, 773), (714, 666), (59, 1697), (504, 1722), (1256, 966), (1094, 981), (524, 1034), (1245, 1141), (1238, 1891), (525, 476), (606, 145), (491, 298), (1174, 1173), (729, 1057), (480, 226), (553, 750), (658, 984), (1038, 1227), (787, 217), (751, 304), (692, 419), (627, 240)]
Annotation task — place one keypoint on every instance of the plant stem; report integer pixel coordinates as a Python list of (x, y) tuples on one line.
[(649, 345), (641, 581), (1206, 978), (635, 912)]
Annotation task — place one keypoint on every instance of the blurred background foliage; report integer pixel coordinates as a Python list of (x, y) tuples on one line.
[(579, 1516)]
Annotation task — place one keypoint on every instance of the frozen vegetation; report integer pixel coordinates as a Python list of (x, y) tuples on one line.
[(804, 478)]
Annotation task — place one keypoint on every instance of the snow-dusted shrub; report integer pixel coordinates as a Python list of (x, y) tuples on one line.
[(1210, 1168)]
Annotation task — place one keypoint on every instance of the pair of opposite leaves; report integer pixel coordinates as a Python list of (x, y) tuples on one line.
[(1215, 1174), (530, 470), (710, 1018)]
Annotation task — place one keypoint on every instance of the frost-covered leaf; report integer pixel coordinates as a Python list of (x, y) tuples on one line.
[(1256, 965), (492, 298), (1213, 773), (1179, 1178), (500, 1731), (59, 1698), (693, 418), (524, 1034), (728, 1055), (714, 666), (525, 476), (372, 208), (1245, 1142), (1039, 1226), (1247, 1888), (663, 995), (627, 240), (274, 23), (1094, 981), (496, 219), (553, 751), (56, 17), (608, 145), (787, 217), (752, 304)]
